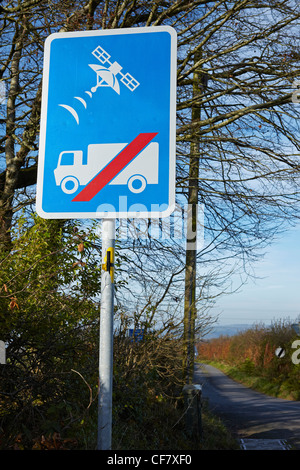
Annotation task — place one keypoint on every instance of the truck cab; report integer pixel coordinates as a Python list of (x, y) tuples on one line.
[(69, 170)]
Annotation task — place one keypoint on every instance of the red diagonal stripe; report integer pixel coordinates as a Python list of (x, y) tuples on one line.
[(114, 167)]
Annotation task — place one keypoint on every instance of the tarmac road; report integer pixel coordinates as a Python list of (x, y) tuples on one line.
[(248, 413)]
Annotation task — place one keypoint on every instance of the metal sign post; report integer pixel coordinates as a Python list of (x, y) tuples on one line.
[(106, 336)]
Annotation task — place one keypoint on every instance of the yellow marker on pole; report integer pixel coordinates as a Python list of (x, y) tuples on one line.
[(108, 264)]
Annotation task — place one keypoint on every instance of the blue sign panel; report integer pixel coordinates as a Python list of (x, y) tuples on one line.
[(108, 124), (136, 334)]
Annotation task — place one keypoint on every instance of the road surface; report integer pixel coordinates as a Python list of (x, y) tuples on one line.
[(248, 413)]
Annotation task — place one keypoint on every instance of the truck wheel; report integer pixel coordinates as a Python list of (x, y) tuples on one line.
[(69, 184), (137, 183)]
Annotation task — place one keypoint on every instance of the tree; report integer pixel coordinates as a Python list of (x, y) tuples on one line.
[(24, 27), (49, 323), (191, 251), (243, 142), (244, 56)]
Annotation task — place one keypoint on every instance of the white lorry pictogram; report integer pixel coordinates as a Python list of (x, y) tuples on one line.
[(71, 172)]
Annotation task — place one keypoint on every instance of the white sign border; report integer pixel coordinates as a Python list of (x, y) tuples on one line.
[(172, 131)]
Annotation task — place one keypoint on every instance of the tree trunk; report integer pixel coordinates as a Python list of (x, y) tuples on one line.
[(191, 242), (12, 167)]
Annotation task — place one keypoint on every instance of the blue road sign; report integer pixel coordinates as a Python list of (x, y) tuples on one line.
[(136, 334), (108, 124)]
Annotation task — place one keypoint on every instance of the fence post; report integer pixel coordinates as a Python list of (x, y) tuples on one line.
[(192, 394), (2, 353)]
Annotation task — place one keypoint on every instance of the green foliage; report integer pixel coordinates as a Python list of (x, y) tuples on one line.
[(48, 322), (247, 366), (49, 313)]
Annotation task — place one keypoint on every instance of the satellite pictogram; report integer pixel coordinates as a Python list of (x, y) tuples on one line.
[(107, 76)]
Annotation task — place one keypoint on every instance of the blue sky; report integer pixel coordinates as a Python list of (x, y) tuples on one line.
[(276, 294)]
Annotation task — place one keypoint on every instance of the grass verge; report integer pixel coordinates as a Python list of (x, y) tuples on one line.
[(257, 382)]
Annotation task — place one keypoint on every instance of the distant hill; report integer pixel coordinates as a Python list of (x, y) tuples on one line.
[(227, 330)]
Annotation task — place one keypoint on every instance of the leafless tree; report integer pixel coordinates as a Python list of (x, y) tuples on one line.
[(237, 127)]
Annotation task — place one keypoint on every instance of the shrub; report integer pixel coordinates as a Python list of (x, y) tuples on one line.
[(48, 323), (253, 353)]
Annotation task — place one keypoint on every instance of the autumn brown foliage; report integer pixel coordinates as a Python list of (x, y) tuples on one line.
[(253, 351)]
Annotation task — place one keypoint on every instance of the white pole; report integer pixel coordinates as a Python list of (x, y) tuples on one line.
[(106, 336)]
